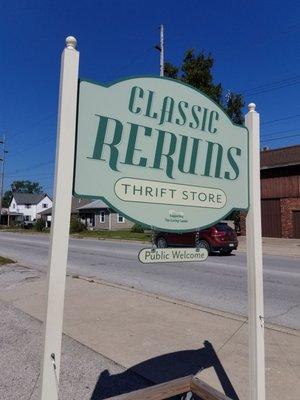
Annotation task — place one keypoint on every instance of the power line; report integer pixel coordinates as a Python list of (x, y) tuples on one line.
[(295, 80), (281, 119), (33, 167), (271, 89), (282, 131), (49, 116), (2, 174), (46, 175), (281, 137), (22, 150), (138, 58)]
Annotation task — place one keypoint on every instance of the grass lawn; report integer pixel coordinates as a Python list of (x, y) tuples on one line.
[(127, 235), (21, 230), (124, 234), (4, 261)]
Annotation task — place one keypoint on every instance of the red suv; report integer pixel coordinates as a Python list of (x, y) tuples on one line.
[(219, 237)]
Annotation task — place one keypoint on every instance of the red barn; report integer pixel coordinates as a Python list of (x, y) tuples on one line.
[(280, 192)]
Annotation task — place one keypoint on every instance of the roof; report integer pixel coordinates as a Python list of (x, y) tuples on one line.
[(283, 157), (28, 198), (46, 212), (94, 205), (76, 202)]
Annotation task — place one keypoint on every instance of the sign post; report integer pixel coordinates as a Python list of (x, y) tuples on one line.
[(162, 154), (254, 263), (58, 252)]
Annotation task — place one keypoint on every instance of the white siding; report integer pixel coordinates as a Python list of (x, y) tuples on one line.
[(13, 206), (30, 211), (47, 201)]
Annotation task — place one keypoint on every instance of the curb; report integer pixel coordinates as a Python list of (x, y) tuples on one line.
[(185, 304)]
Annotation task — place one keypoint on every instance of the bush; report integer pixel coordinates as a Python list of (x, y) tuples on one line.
[(39, 225), (137, 228), (76, 226), (15, 224)]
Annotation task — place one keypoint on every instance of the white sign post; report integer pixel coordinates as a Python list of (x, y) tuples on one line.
[(58, 252), (254, 263)]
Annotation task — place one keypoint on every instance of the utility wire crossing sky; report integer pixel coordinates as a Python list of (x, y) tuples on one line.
[(256, 49)]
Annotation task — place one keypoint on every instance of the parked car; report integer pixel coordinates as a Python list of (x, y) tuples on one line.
[(28, 224), (219, 237)]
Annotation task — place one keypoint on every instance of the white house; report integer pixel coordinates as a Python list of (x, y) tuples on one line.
[(28, 205)]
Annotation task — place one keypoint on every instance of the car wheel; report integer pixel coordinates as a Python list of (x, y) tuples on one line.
[(225, 252), (205, 245), (161, 243)]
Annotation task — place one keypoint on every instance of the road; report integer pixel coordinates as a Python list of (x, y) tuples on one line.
[(219, 282)]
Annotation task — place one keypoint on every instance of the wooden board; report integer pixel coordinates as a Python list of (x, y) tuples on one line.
[(206, 392), (173, 388), (159, 392)]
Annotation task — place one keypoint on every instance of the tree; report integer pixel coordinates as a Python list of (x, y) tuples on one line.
[(6, 199), (21, 187), (26, 187), (196, 70)]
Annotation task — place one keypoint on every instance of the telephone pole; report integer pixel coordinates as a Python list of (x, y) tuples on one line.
[(2, 159), (161, 49)]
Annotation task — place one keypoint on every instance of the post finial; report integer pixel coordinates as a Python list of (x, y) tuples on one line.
[(71, 42), (251, 107)]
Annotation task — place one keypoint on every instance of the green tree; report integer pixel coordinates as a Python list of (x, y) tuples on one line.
[(26, 187), (7, 198), (196, 70), (21, 187)]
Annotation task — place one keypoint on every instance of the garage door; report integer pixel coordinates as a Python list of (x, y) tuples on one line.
[(271, 218), (296, 224)]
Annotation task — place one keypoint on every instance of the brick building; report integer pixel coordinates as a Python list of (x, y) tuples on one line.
[(280, 192)]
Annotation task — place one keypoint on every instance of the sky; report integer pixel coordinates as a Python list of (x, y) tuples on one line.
[(255, 45)]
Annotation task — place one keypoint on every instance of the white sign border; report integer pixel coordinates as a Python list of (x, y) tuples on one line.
[(169, 249)]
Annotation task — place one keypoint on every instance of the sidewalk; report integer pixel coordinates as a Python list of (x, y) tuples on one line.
[(275, 246), (129, 327)]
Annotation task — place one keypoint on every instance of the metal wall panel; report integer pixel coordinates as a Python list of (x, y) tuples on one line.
[(280, 187), (271, 218), (296, 224)]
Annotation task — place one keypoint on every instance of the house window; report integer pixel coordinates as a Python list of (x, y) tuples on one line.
[(120, 219), (27, 205), (44, 205), (14, 206), (102, 217)]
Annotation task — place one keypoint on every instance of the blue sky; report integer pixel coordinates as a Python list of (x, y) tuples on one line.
[(256, 46)]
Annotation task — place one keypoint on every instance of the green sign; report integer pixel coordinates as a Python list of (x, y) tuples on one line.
[(160, 152)]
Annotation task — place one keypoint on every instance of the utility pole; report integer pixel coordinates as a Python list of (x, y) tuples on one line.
[(2, 159), (160, 48)]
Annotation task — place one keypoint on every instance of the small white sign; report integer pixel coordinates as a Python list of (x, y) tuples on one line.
[(180, 254)]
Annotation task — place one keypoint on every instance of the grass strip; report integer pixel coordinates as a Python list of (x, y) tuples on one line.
[(122, 234), (4, 260)]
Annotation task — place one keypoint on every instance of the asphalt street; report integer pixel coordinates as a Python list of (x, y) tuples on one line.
[(219, 282)]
